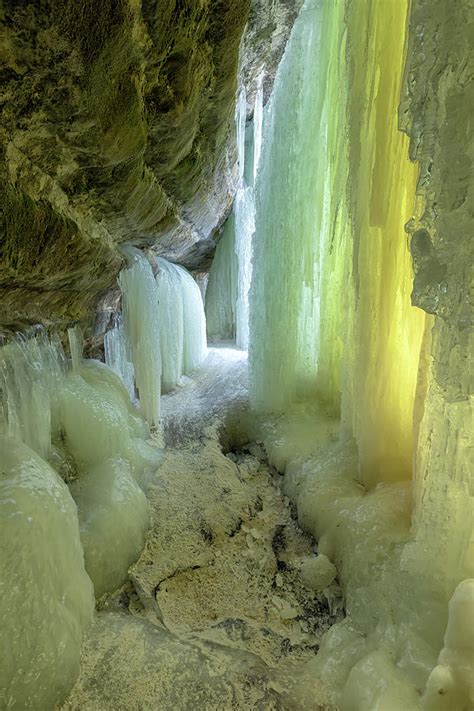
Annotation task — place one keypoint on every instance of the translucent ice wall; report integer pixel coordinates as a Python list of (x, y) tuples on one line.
[(332, 264), (284, 298), (142, 329), (332, 322), (383, 352)]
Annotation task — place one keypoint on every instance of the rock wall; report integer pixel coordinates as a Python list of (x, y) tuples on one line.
[(435, 111), (118, 125)]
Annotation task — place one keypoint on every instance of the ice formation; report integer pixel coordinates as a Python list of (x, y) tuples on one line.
[(142, 329), (30, 374), (333, 274), (227, 296), (182, 322), (164, 333), (221, 292), (194, 322), (47, 597), (115, 352), (62, 424), (171, 316)]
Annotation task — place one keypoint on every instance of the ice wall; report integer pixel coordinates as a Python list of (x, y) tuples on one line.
[(142, 329), (284, 318), (227, 297), (332, 323), (331, 254), (74, 459), (383, 354)]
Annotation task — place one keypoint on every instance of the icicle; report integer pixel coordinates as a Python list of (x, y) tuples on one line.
[(142, 329), (221, 292), (76, 346), (115, 352), (170, 309), (194, 346), (257, 126), (182, 322), (30, 374), (244, 207), (240, 120)]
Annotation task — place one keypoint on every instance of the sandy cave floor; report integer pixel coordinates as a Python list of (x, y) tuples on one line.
[(215, 614)]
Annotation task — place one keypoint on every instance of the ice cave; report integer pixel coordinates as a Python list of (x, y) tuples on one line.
[(236, 355)]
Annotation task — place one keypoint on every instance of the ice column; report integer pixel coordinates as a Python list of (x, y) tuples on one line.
[(76, 346), (244, 210), (194, 322), (182, 322), (142, 330)]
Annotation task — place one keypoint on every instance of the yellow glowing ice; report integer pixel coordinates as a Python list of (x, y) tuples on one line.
[(334, 217), (382, 189)]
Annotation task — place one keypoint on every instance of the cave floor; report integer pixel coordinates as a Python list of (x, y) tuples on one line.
[(214, 615)]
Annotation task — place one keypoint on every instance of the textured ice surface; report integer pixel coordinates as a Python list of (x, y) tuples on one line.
[(46, 595), (451, 683), (182, 322), (227, 296), (114, 518), (142, 329), (221, 292), (115, 351), (31, 371), (105, 437)]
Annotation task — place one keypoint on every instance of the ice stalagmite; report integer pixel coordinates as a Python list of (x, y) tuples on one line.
[(142, 328), (47, 597)]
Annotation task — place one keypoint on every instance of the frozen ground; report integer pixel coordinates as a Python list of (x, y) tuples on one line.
[(215, 614)]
